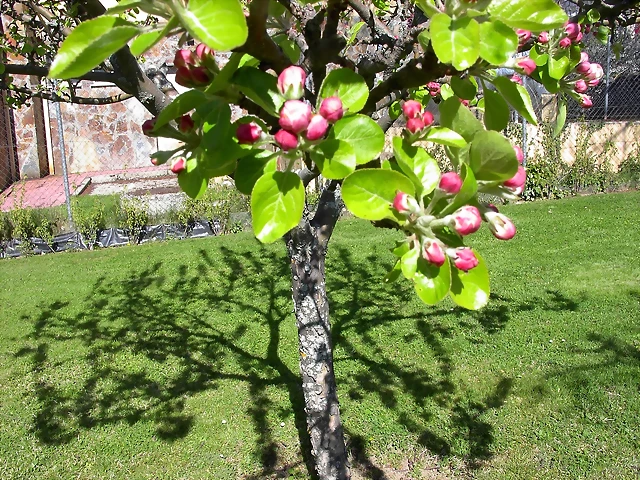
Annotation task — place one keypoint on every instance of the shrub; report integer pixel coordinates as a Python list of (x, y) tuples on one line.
[(134, 216)]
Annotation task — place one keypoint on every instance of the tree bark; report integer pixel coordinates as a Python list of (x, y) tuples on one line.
[(307, 247)]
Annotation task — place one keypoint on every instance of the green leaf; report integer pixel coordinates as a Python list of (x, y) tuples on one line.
[(470, 290), (124, 5), (353, 32), (432, 283), (395, 109), (145, 41), (498, 42), (428, 7), (335, 158), (446, 92), (289, 47), (445, 136), (492, 157), (191, 180), (218, 150), (363, 134), (459, 118), (183, 103), (464, 88), (221, 81), (562, 116), (393, 274), (455, 41), (369, 193), (90, 44), (348, 86), (558, 67), (221, 25), (277, 203), (409, 262), (496, 111), (593, 15), (260, 87), (418, 165), (534, 15), (252, 167), (517, 96)]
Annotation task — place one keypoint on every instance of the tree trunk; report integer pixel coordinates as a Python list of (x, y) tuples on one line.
[(307, 247)]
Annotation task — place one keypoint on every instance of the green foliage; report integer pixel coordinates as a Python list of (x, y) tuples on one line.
[(88, 219), (218, 203), (134, 217), (629, 170)]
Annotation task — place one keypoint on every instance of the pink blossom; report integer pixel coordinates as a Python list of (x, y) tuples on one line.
[(183, 58), (427, 118), (415, 124), (291, 82), (466, 220), (450, 182), (185, 125), (580, 86), (434, 88), (595, 72), (523, 35), (519, 154), (200, 76), (527, 65), (331, 108), (179, 165), (564, 42), (317, 127), (500, 225), (286, 140), (516, 78), (183, 77), (572, 30), (518, 179), (584, 57), (464, 102), (433, 253), (148, 126), (412, 109), (583, 68), (248, 133), (295, 116), (578, 38), (202, 52), (585, 101), (405, 203), (464, 259), (543, 37)]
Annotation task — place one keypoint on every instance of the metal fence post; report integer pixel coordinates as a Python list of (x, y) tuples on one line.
[(63, 157), (606, 87), (524, 131)]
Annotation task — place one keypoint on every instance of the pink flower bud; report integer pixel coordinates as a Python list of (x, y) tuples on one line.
[(519, 154), (492, 207), (572, 30), (433, 253), (185, 125), (466, 220), (183, 77), (450, 182), (148, 125), (405, 203), (584, 57), (585, 101), (500, 225), (415, 124), (583, 68), (463, 258), (295, 116), (200, 76), (203, 52), (179, 165), (317, 127), (183, 58), (518, 179), (523, 36), (578, 38), (527, 65), (248, 133), (331, 108), (286, 140), (543, 38), (580, 86), (587, 28), (434, 88), (427, 118), (516, 78), (564, 42), (464, 102), (595, 72), (593, 83), (291, 82), (412, 109)]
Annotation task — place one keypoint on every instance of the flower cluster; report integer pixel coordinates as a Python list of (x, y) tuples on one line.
[(298, 122), (195, 69), (417, 119)]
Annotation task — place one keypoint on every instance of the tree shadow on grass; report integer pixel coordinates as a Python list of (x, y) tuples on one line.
[(148, 339)]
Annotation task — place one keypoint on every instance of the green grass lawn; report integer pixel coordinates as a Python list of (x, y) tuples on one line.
[(179, 359)]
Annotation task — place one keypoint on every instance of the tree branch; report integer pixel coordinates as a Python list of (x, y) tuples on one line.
[(35, 70), (378, 28), (57, 98)]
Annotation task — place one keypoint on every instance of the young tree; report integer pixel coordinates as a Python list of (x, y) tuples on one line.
[(320, 82)]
